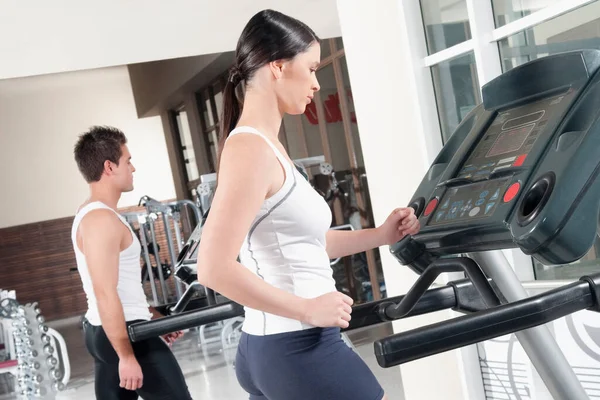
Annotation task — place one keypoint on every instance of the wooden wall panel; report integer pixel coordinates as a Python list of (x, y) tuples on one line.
[(37, 261)]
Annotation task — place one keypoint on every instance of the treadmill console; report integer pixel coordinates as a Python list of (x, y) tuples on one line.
[(502, 149), (521, 170)]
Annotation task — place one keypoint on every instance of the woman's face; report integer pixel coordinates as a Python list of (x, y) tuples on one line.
[(298, 81)]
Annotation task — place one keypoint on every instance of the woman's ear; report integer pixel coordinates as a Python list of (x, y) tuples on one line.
[(276, 68)]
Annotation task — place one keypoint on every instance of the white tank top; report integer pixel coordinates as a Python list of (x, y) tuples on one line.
[(129, 286), (285, 245)]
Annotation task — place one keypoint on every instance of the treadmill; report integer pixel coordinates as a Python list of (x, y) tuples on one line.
[(520, 171)]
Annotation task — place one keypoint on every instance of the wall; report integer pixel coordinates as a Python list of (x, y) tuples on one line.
[(161, 85), (40, 119), (399, 139), (69, 35)]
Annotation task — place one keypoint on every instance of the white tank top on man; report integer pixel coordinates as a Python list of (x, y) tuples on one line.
[(285, 245), (129, 286)]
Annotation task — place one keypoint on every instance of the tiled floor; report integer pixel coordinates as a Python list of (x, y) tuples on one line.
[(208, 369)]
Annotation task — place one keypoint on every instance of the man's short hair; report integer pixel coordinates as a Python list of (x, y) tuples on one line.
[(94, 147)]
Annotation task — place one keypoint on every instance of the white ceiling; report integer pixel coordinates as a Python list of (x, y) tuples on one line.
[(40, 37)]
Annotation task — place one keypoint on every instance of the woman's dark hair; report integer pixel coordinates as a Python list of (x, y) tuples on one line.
[(268, 36)]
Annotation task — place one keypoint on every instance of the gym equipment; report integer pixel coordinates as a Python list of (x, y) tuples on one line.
[(143, 222), (41, 371), (521, 171), (205, 191)]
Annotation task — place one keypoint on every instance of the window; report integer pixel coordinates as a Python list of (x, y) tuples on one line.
[(187, 148), (457, 91), (446, 23), (579, 29), (507, 11), (210, 102)]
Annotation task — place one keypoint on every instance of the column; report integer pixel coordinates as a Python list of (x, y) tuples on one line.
[(400, 135)]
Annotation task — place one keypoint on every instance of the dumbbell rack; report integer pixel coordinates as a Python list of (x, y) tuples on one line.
[(37, 368)]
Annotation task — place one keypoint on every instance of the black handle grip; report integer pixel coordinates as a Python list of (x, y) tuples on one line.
[(411, 253), (434, 300), (487, 324), (439, 266), (147, 329)]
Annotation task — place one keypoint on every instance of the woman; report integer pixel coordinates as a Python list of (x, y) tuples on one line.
[(266, 212)]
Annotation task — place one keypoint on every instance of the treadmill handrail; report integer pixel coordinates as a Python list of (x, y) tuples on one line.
[(144, 330), (487, 324), (420, 287)]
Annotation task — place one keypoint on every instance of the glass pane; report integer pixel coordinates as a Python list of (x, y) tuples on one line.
[(456, 91), (185, 136), (339, 43), (507, 11), (296, 145), (446, 23), (312, 135), (213, 142), (217, 89), (578, 29), (219, 101), (325, 48), (208, 114), (333, 121), (353, 125)]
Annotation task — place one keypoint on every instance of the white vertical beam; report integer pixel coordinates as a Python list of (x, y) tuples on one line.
[(487, 57), (421, 81), (399, 132)]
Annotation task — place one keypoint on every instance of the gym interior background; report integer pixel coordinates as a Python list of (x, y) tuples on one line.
[(396, 80)]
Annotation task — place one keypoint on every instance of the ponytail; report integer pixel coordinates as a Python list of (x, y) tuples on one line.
[(232, 109), (268, 36)]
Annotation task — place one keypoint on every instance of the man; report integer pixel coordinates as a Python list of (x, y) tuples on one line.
[(108, 260)]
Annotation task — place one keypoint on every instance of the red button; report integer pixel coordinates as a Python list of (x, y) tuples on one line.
[(431, 206), (511, 192), (520, 160)]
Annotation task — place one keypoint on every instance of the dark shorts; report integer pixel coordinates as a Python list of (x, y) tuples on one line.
[(312, 364)]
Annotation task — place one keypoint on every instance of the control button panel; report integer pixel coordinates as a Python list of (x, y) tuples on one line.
[(475, 201)]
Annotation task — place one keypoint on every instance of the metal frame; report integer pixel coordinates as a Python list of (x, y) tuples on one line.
[(169, 214), (538, 343)]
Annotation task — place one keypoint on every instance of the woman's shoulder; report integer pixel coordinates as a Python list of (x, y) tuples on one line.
[(247, 149)]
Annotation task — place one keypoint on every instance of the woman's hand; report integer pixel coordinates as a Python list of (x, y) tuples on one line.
[(401, 222), (329, 310)]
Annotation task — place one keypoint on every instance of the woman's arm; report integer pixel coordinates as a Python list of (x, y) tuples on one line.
[(249, 171), (345, 243), (400, 223)]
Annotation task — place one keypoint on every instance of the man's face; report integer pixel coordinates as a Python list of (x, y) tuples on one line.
[(123, 173)]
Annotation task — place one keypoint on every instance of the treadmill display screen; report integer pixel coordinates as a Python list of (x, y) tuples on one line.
[(511, 137)]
